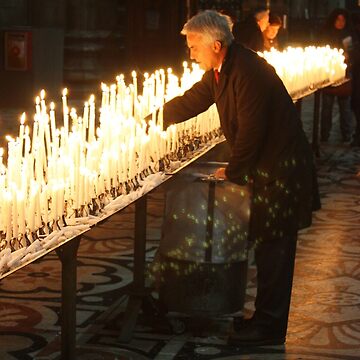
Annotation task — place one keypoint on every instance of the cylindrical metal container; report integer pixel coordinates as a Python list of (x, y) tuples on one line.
[(202, 257)]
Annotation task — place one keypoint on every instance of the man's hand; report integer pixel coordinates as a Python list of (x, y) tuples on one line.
[(220, 174)]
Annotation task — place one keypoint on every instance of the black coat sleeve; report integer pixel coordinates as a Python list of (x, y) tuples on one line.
[(193, 102), (252, 93)]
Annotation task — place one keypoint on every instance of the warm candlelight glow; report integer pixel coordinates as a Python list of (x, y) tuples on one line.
[(310, 67), (55, 173)]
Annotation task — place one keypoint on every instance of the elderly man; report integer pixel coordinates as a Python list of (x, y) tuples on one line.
[(269, 151)]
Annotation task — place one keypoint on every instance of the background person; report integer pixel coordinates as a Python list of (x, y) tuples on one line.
[(249, 32), (269, 152), (338, 34), (271, 32), (355, 94)]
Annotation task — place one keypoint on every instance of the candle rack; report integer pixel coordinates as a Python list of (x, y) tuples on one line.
[(55, 175)]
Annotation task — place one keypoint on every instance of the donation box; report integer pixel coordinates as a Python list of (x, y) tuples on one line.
[(204, 245)]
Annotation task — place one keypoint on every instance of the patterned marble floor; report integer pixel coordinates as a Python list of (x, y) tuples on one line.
[(325, 310)]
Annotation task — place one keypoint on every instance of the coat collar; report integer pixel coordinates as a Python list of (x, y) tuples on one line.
[(225, 72)]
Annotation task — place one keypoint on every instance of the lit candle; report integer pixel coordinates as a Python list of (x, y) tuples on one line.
[(8, 212), (21, 130), (27, 141), (14, 217), (161, 118), (21, 211), (65, 111), (52, 120), (30, 209), (91, 135), (35, 133), (37, 106), (135, 94)]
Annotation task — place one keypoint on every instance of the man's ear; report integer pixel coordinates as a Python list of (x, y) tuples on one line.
[(217, 46)]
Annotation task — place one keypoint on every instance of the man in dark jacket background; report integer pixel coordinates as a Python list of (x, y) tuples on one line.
[(249, 32), (269, 151)]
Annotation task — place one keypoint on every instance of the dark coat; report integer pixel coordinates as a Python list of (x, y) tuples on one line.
[(248, 34), (268, 146)]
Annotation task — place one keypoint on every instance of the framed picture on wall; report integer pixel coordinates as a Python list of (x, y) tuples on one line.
[(17, 50)]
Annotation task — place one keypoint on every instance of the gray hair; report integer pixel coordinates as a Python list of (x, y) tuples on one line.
[(212, 25)]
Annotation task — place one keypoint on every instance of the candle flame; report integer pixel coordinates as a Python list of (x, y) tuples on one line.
[(65, 91), (133, 73), (52, 106), (42, 94), (37, 100), (22, 119), (91, 98)]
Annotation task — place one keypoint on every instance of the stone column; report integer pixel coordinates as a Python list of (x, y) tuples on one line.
[(48, 19), (94, 44)]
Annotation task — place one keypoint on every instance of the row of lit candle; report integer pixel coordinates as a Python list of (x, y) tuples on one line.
[(56, 173), (310, 67)]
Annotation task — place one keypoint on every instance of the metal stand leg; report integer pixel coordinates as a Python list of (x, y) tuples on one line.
[(138, 285), (67, 255), (316, 124)]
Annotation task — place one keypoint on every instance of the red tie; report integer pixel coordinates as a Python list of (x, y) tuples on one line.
[(216, 74)]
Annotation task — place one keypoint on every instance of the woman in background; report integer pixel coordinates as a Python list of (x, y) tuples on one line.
[(355, 94), (338, 34), (271, 32)]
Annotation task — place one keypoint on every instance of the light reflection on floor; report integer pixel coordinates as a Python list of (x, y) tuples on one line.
[(325, 311)]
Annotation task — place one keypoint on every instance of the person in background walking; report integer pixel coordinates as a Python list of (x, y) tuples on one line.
[(355, 94), (338, 34)]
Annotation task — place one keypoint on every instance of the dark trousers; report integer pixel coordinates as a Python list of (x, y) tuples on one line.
[(345, 116), (357, 130), (275, 268)]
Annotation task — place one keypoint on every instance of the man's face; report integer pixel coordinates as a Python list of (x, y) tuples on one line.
[(201, 51)]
